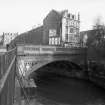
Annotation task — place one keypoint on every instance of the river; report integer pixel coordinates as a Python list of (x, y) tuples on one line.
[(67, 91)]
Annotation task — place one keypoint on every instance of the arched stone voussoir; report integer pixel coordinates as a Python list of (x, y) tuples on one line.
[(58, 67)]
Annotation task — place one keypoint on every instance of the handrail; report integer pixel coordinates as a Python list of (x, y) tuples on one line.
[(39, 50), (4, 78)]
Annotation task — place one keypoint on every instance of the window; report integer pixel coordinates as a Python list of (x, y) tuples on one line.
[(70, 39), (50, 41), (69, 23), (77, 25), (72, 16), (69, 15), (66, 30), (74, 23), (54, 41), (58, 40), (71, 30), (74, 31)]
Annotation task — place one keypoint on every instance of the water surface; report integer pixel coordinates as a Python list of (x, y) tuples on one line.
[(68, 91)]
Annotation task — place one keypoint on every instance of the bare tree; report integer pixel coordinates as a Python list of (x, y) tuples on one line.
[(99, 28), (98, 43)]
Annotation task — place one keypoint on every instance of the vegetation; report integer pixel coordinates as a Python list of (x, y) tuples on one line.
[(99, 40), (96, 40)]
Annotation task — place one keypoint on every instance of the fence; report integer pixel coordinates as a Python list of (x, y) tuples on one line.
[(7, 77)]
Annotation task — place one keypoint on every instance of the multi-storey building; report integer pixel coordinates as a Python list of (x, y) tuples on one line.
[(58, 29), (61, 28), (52, 28), (70, 29), (8, 37)]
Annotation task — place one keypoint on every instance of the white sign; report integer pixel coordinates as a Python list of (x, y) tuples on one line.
[(52, 32)]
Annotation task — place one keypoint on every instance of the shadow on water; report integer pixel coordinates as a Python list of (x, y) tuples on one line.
[(69, 91)]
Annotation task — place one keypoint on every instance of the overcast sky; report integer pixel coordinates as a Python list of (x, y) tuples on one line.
[(22, 15)]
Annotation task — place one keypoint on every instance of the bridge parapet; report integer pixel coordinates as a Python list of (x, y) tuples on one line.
[(40, 49)]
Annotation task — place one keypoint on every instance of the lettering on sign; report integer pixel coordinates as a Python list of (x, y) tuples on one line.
[(52, 32)]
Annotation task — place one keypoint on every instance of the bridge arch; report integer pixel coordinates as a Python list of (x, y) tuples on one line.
[(58, 67)]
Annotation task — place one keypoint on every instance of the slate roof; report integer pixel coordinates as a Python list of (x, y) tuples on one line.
[(33, 36)]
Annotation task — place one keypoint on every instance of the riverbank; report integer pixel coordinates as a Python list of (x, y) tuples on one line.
[(96, 74)]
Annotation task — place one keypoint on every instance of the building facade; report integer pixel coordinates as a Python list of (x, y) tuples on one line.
[(61, 28), (70, 29), (8, 37), (1, 40), (52, 28)]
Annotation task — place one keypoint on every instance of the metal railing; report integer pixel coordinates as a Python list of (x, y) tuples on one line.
[(7, 77)]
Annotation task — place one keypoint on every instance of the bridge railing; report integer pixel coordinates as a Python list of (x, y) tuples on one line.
[(40, 49), (7, 77)]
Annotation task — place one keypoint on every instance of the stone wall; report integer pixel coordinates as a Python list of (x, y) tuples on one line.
[(96, 74)]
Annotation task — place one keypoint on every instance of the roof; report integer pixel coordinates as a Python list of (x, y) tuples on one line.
[(33, 36)]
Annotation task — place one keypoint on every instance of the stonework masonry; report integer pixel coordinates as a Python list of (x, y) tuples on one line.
[(61, 28)]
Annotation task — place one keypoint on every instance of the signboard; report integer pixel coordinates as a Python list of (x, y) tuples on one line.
[(31, 49), (52, 32)]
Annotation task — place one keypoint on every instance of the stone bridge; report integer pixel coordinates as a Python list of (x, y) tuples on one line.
[(33, 57)]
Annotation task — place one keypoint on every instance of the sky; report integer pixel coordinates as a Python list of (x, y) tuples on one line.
[(23, 15)]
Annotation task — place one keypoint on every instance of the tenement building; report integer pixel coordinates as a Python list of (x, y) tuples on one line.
[(61, 28), (8, 37), (58, 29)]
